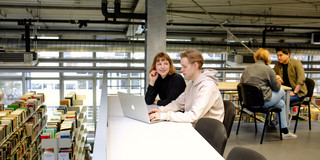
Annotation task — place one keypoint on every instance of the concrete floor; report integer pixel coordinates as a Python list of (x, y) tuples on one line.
[(306, 146)]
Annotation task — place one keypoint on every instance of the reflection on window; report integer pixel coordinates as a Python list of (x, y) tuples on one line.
[(11, 74), (48, 64), (137, 65), (48, 54), (77, 54), (316, 57), (82, 74), (137, 55), (111, 55), (117, 75), (12, 90), (50, 88), (315, 66), (314, 75), (112, 64), (233, 75), (80, 87), (43, 74), (299, 57), (174, 55), (211, 65), (137, 75), (212, 56), (78, 64)]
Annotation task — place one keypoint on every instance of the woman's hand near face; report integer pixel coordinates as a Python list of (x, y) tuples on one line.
[(153, 75)]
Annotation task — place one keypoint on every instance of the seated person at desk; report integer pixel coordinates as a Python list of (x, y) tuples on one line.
[(261, 74), (163, 81), (290, 73), (201, 98)]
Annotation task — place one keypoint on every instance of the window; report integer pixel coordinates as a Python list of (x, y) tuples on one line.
[(50, 88)]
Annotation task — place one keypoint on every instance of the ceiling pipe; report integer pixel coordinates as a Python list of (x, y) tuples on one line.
[(171, 11), (142, 23), (117, 12)]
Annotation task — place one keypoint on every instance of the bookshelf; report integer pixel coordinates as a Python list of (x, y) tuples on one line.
[(17, 140), (71, 119)]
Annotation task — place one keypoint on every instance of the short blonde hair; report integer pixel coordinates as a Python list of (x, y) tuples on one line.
[(193, 56), (263, 54), (162, 56)]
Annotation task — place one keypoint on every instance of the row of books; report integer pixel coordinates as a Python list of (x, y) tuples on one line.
[(14, 139), (60, 126), (72, 99)]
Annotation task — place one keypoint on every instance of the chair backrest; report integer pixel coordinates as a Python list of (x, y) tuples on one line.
[(250, 95), (214, 132), (310, 87), (241, 153), (229, 114)]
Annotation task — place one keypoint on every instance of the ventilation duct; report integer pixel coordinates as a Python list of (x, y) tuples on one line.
[(18, 59)]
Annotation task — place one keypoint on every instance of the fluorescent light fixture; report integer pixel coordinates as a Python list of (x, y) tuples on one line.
[(179, 40), (46, 37)]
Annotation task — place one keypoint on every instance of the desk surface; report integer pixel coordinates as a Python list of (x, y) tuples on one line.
[(131, 139), (232, 86)]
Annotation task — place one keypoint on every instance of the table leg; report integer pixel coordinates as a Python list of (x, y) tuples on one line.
[(288, 106)]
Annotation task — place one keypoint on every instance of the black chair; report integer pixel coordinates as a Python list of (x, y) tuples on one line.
[(306, 101), (229, 114), (214, 132), (251, 95), (241, 153)]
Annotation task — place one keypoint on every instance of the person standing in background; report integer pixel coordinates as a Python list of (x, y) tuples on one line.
[(163, 81)]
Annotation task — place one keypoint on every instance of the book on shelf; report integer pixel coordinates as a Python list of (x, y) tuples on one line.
[(62, 108), (1, 107), (14, 120), (53, 131), (7, 122), (45, 136), (14, 106), (64, 134), (65, 102), (29, 128), (48, 155)]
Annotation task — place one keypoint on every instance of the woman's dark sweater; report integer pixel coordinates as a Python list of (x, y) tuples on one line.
[(168, 89)]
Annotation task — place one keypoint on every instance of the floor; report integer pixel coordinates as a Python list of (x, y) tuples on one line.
[(306, 146)]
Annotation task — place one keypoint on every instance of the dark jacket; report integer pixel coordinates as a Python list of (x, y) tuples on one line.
[(168, 89)]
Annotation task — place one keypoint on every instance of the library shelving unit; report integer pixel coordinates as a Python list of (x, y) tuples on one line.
[(80, 135), (23, 138), (77, 140)]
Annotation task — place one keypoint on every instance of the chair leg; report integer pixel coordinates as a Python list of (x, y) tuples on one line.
[(264, 128), (280, 125), (255, 121), (309, 116), (297, 118), (239, 120)]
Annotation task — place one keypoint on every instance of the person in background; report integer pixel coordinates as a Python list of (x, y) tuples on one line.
[(163, 81), (261, 74), (290, 73), (201, 98)]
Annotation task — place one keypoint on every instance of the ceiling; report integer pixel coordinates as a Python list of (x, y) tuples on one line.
[(190, 23)]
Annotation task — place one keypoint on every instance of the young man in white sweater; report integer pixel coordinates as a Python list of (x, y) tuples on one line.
[(201, 98)]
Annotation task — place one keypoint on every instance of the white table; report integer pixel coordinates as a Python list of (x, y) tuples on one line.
[(128, 139)]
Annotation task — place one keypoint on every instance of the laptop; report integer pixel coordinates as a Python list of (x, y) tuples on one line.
[(134, 107)]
